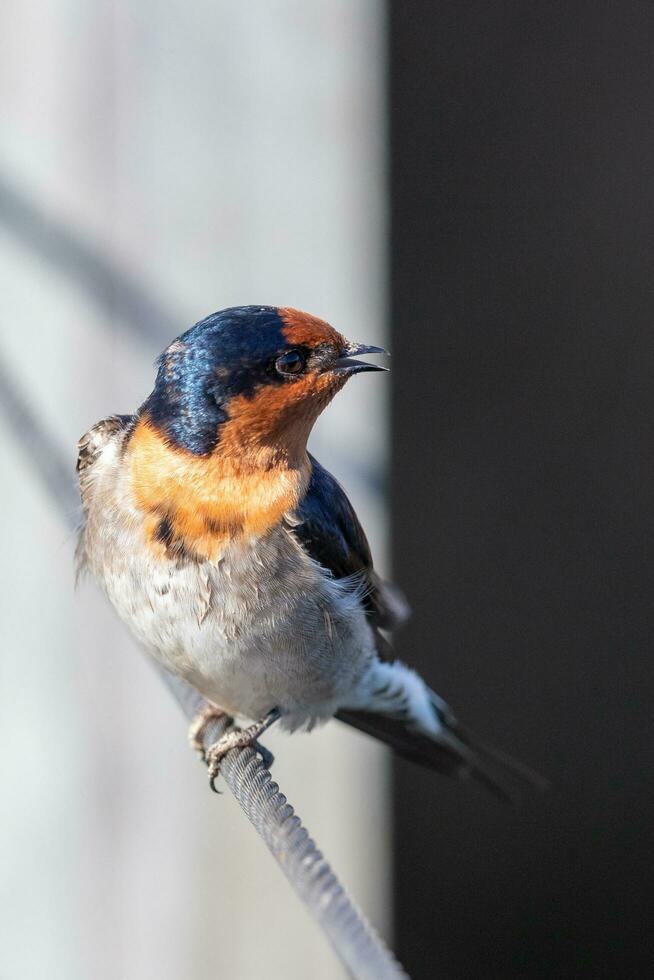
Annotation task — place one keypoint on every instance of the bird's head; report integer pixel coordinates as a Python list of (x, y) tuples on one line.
[(250, 380), (218, 451)]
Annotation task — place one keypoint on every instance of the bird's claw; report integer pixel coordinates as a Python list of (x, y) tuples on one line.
[(239, 738), (267, 756), (207, 713)]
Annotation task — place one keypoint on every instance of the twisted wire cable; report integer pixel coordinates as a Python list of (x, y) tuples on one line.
[(355, 941)]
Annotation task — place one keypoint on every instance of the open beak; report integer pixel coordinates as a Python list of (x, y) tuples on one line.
[(348, 363)]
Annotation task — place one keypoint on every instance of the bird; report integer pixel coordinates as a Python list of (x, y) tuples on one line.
[(237, 560)]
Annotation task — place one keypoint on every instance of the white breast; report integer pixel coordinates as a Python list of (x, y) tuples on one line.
[(262, 627)]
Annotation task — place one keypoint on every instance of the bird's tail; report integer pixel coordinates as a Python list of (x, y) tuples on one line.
[(406, 715)]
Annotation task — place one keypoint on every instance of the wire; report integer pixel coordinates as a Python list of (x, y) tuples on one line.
[(356, 943), (354, 940)]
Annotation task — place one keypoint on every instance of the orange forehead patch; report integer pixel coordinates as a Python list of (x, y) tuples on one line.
[(305, 329)]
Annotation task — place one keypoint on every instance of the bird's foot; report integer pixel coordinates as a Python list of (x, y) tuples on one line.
[(266, 755), (238, 738), (207, 713)]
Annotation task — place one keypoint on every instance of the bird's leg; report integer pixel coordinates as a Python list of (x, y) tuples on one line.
[(207, 713), (236, 738)]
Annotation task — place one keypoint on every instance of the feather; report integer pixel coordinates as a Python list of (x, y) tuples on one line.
[(328, 529), (454, 752)]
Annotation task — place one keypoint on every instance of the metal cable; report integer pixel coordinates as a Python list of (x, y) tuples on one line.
[(355, 941)]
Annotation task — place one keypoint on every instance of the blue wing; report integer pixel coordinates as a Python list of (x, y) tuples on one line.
[(330, 532)]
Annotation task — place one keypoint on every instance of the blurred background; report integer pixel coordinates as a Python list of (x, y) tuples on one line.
[(160, 161), (470, 183)]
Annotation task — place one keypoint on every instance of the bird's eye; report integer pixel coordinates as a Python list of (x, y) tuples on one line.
[(293, 362)]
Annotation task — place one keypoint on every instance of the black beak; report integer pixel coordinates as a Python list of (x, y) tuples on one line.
[(347, 362)]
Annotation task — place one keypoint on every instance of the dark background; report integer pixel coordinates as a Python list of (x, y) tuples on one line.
[(523, 342)]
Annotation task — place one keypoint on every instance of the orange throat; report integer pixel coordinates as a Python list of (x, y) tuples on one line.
[(198, 505)]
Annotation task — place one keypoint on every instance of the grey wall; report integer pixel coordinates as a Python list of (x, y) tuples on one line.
[(212, 153)]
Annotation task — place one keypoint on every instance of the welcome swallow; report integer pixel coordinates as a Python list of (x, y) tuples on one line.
[(237, 560)]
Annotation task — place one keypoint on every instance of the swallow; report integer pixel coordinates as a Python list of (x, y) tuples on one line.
[(237, 560)]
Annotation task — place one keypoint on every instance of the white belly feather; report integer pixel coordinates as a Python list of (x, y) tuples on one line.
[(263, 627)]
